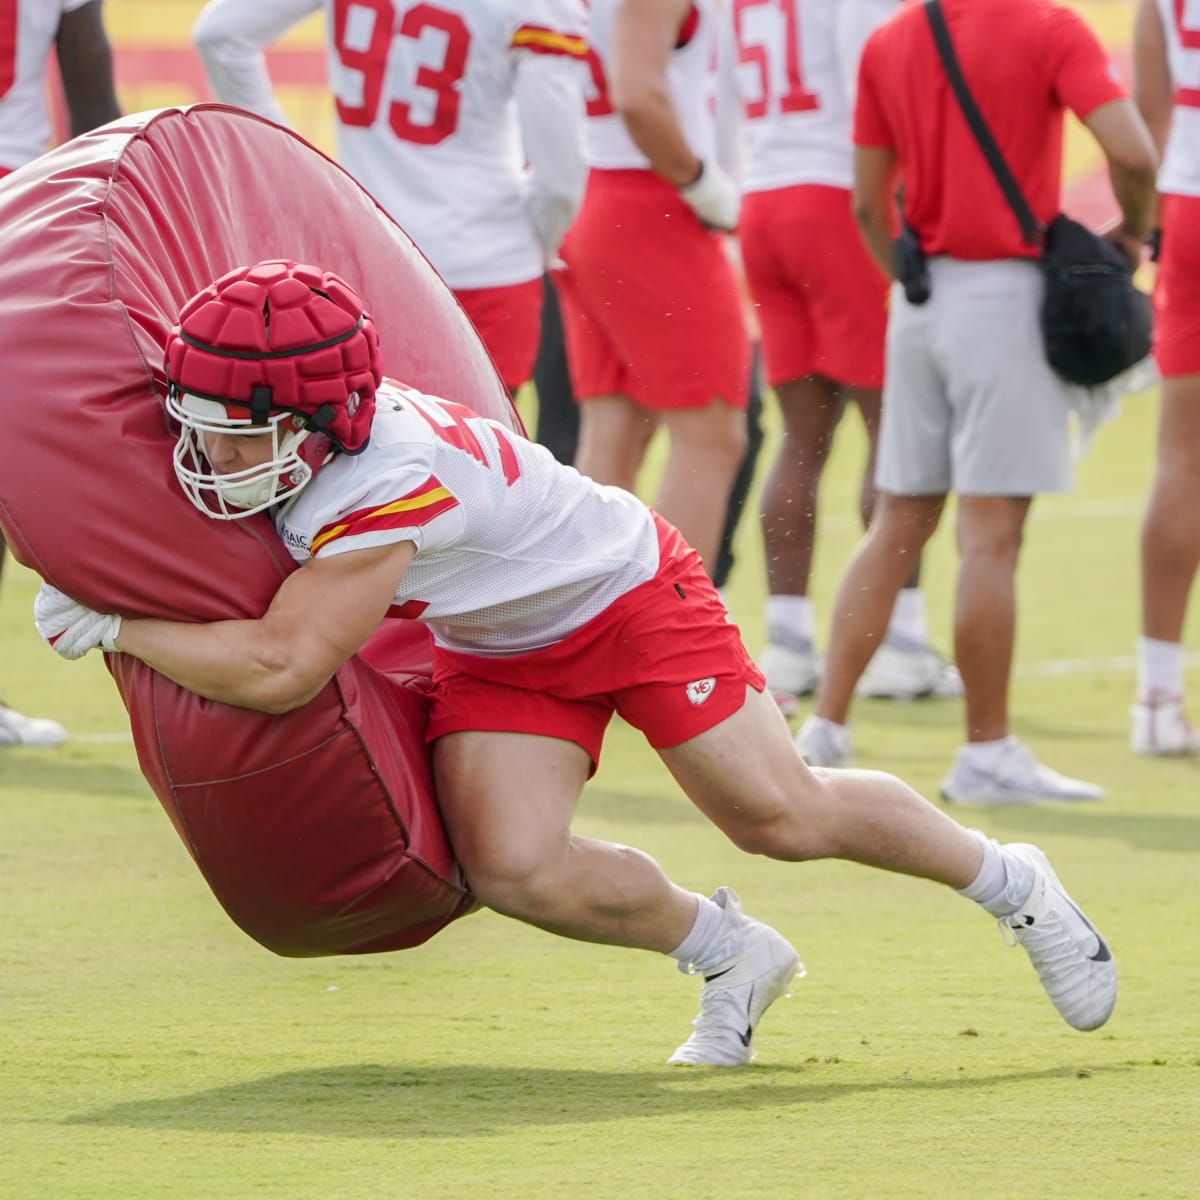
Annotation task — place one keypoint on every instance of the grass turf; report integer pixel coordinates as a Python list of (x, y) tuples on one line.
[(150, 1049)]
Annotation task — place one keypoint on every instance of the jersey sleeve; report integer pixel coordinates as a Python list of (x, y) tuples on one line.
[(871, 127), (1084, 76), (230, 37), (408, 506)]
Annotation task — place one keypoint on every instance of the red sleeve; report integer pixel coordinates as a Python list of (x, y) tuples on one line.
[(1084, 77), (871, 127)]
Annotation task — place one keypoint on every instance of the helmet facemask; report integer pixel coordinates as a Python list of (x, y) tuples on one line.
[(278, 351), (237, 494)]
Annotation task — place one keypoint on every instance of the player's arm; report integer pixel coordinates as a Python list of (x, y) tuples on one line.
[(231, 36), (1153, 88), (1132, 170), (645, 33), (874, 172), (320, 616), (85, 64), (548, 85)]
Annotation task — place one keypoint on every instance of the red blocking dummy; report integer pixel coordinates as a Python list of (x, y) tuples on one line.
[(318, 830)]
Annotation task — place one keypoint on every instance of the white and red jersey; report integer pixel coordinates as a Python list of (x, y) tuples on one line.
[(514, 550), (426, 111), (691, 78), (795, 63), (1179, 173), (27, 32)]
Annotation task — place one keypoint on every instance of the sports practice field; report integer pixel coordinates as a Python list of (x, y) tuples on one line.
[(149, 1049)]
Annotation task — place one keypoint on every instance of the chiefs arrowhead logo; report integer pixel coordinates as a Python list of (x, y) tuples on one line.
[(701, 689)]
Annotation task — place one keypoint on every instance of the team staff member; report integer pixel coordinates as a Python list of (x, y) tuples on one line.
[(426, 122), (650, 307), (552, 601), (822, 304), (970, 404), (74, 29), (1167, 90)]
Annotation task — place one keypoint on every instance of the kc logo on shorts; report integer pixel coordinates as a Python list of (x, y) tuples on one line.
[(701, 689)]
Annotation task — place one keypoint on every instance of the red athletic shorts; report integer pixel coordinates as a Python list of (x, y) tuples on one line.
[(821, 299), (664, 656), (1177, 288), (509, 322), (649, 304)]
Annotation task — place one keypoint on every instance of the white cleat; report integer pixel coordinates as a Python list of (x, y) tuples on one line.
[(822, 743), (791, 671), (18, 730), (1072, 960), (1159, 727), (906, 670), (739, 990), (1018, 778)]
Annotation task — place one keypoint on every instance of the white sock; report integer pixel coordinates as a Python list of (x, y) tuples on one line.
[(1004, 880), (986, 755), (839, 734), (790, 620), (1160, 668), (691, 952), (908, 616)]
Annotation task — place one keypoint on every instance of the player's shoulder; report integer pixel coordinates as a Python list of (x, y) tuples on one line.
[(554, 16)]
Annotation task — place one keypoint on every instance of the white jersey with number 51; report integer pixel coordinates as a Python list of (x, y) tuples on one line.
[(796, 65)]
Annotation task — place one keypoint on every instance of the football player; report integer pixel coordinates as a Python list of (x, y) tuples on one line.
[(439, 109), (650, 308), (1167, 91), (822, 304), (552, 601)]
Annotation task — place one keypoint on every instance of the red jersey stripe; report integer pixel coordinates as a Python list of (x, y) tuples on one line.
[(418, 508)]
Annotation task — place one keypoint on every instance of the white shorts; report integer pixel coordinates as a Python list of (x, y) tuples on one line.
[(970, 404)]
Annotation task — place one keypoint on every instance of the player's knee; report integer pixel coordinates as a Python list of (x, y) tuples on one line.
[(779, 828)]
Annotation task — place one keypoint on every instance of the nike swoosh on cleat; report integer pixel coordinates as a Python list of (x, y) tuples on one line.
[(745, 1037), (717, 975), (1103, 954)]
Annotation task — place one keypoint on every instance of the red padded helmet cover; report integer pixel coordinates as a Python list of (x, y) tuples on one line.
[(317, 344)]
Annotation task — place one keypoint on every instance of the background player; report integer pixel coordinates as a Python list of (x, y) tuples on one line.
[(437, 116), (650, 307)]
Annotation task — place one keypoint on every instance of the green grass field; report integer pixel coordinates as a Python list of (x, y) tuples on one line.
[(149, 1049)]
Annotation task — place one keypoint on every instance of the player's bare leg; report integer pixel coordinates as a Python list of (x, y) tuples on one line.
[(707, 447), (613, 435), (1170, 559), (746, 776), (511, 833)]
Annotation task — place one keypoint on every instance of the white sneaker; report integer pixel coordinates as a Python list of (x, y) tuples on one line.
[(1072, 960), (1159, 726), (1018, 778), (822, 743), (739, 990), (18, 730), (906, 670), (791, 671)]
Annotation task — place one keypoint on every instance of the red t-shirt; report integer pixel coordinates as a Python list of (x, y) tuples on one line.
[(1025, 62)]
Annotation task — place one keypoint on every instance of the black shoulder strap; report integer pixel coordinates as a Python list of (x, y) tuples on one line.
[(1030, 229)]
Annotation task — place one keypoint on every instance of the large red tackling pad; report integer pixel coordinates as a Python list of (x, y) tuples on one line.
[(317, 831)]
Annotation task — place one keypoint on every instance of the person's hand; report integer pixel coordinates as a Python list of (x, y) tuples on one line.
[(713, 197), (68, 627), (1130, 244)]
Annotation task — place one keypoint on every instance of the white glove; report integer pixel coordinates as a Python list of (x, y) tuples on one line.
[(713, 197), (69, 628)]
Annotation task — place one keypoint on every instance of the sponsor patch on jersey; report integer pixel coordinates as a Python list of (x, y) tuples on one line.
[(699, 690)]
